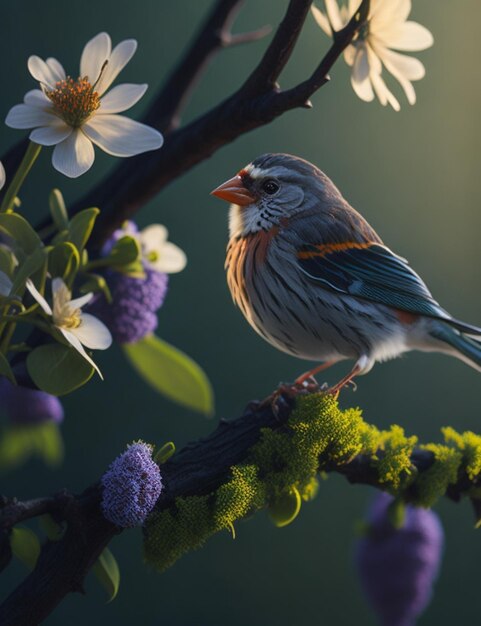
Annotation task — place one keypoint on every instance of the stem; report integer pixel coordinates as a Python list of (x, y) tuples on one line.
[(7, 335), (24, 168)]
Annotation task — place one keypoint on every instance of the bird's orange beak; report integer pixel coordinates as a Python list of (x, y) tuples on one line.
[(234, 190)]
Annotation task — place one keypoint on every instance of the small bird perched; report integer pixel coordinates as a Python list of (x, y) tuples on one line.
[(315, 280)]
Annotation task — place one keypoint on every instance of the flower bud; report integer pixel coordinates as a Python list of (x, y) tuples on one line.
[(398, 566), (131, 486)]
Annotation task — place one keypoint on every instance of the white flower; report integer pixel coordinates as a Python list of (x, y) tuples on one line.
[(72, 115), (2, 175), (158, 253), (386, 28), (79, 329)]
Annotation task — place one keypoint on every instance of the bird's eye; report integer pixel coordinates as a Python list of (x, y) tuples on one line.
[(270, 187)]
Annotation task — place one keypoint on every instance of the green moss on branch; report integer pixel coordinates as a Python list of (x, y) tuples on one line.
[(285, 461)]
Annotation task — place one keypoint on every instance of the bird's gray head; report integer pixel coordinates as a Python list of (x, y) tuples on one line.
[(272, 189)]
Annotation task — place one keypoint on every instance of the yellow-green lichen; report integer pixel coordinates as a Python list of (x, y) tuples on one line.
[(470, 445), (433, 483), (394, 464), (243, 493)]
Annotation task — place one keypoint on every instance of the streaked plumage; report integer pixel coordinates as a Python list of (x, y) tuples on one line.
[(314, 279)]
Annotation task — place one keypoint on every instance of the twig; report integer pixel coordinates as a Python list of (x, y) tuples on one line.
[(13, 511), (213, 36)]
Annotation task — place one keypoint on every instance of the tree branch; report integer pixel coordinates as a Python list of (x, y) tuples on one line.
[(13, 512), (199, 468), (257, 102)]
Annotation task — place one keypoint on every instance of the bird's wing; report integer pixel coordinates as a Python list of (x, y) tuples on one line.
[(369, 271)]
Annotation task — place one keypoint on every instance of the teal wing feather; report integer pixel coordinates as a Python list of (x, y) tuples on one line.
[(371, 272)]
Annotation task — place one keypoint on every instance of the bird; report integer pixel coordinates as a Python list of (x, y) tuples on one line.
[(316, 281)]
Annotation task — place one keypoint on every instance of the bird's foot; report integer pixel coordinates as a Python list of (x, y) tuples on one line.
[(288, 392)]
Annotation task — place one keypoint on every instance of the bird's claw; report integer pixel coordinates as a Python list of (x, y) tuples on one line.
[(288, 392)]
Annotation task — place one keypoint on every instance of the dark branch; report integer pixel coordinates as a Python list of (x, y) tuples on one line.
[(213, 36), (199, 468), (259, 101), (13, 512)]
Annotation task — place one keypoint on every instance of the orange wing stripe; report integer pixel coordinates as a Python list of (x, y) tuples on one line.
[(323, 249)]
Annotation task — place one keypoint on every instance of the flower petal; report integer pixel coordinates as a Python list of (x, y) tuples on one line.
[(350, 55), (360, 76), (121, 55), (121, 98), (171, 259), (2, 175), (153, 237), (92, 333), (56, 68), (78, 303), (333, 14), (38, 297), (383, 14), (36, 98), (26, 116), (321, 20), (58, 284), (74, 155), (94, 55), (75, 343), (121, 136), (42, 72), (51, 135), (400, 64), (382, 92), (407, 36), (5, 282)]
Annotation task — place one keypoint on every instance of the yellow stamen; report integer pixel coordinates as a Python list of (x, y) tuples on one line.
[(64, 315), (74, 100)]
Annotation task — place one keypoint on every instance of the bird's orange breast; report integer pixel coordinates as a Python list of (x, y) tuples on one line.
[(245, 257)]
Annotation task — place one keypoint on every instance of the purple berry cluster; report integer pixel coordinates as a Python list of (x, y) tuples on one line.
[(398, 566), (132, 314), (131, 486), (24, 406)]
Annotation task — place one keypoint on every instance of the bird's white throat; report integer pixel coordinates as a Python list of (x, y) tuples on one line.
[(248, 219)]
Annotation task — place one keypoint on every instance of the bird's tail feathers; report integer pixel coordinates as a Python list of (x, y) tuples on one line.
[(465, 346), (466, 329)]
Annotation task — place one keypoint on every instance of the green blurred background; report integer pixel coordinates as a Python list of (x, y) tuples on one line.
[(413, 174)]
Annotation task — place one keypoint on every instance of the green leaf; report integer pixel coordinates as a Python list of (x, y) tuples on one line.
[(397, 513), (285, 508), (58, 209), (124, 252), (52, 530), (49, 443), (64, 261), (18, 443), (58, 369), (25, 545), (172, 373), (96, 283), (107, 572), (36, 262), (5, 369), (19, 230), (7, 260), (80, 227), (164, 453)]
